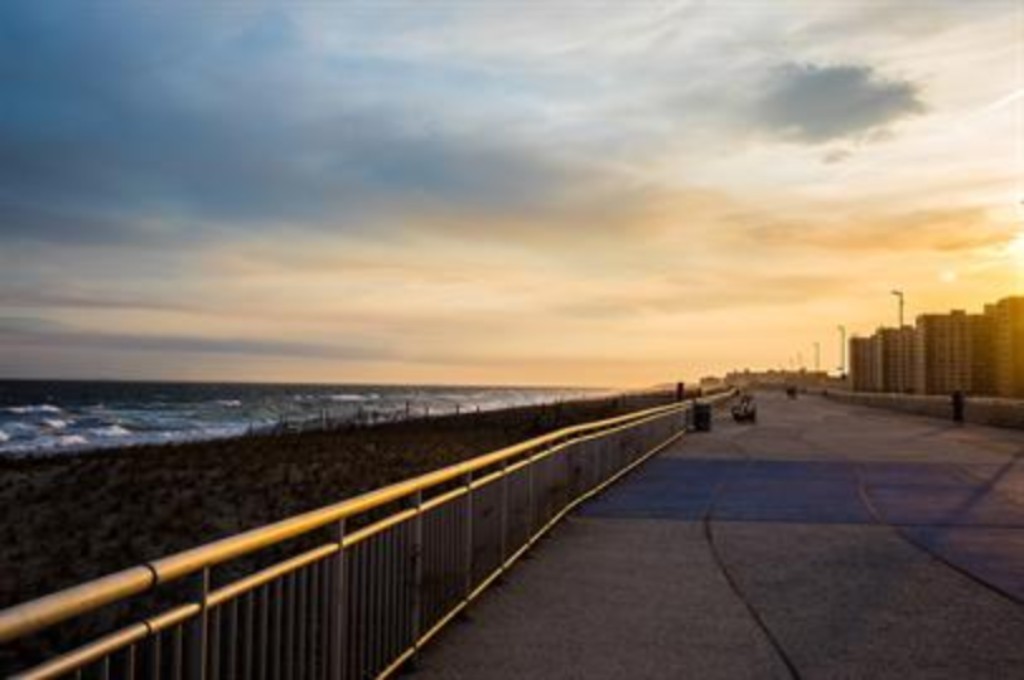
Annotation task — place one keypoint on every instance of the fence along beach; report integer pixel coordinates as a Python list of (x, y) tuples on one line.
[(81, 516)]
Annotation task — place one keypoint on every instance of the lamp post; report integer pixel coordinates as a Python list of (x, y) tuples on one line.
[(842, 349), (902, 302)]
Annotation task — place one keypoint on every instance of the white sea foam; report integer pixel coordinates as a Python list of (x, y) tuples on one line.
[(71, 440), (111, 431), (351, 397), (55, 423), (34, 408), (229, 403), (4, 437)]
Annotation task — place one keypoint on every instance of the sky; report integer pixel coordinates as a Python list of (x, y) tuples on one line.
[(532, 192)]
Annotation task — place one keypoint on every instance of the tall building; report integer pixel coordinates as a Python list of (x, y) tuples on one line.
[(1007, 318), (983, 355), (907, 359), (973, 353), (945, 352), (895, 357), (865, 368)]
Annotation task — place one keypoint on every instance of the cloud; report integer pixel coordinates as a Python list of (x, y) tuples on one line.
[(935, 230), (834, 156), (36, 332), (717, 290), (62, 296), (150, 126), (815, 104)]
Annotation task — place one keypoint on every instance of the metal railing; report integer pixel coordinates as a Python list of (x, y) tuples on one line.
[(379, 574)]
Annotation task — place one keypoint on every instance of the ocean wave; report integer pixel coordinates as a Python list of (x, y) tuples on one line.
[(32, 409), (353, 397), (229, 403), (111, 431), (55, 423), (69, 440), (4, 437)]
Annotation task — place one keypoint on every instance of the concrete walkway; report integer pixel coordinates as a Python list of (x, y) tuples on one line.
[(828, 541)]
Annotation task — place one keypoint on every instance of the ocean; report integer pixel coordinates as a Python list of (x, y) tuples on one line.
[(51, 417)]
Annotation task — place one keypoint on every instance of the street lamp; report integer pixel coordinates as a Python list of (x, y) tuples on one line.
[(902, 301), (842, 349)]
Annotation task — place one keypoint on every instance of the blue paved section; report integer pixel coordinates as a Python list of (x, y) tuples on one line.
[(792, 491), (967, 505), (993, 555), (750, 491), (666, 488), (957, 511), (812, 492), (807, 501)]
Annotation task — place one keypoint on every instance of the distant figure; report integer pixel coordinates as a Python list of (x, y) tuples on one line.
[(791, 392), (745, 411), (959, 404)]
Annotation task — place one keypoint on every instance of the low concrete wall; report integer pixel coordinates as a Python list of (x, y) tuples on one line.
[(978, 410)]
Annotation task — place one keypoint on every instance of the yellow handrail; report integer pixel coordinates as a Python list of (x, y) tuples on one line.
[(35, 615)]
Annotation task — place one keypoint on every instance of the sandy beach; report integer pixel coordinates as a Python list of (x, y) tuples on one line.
[(73, 518)]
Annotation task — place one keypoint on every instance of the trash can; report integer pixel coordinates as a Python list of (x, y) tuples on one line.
[(702, 417), (959, 402)]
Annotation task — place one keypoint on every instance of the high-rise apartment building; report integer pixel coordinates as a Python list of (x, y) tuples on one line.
[(895, 348), (946, 353), (983, 355), (865, 370), (1007, 317)]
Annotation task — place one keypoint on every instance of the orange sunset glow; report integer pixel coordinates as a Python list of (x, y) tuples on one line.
[(510, 193)]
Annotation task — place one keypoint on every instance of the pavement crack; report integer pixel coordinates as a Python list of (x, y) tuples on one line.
[(734, 586), (921, 546)]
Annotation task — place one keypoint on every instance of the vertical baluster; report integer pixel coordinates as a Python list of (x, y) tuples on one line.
[(231, 640), (213, 635), (337, 650), (402, 585), (129, 663), (276, 629), (455, 553), (248, 605), (313, 606), (503, 516), (355, 608), (386, 576), (178, 653), (301, 629), (289, 626), (263, 648), (155, 643), (366, 622), (198, 644), (381, 576), (418, 556), (372, 586), (376, 583), (326, 619), (467, 564), (532, 482)]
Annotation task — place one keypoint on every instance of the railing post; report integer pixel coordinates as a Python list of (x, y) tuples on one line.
[(503, 518), (338, 640), (468, 557), (530, 498), (198, 635), (417, 570)]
